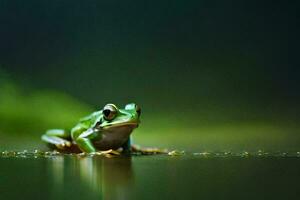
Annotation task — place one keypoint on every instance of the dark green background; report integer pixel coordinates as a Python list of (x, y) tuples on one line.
[(207, 74)]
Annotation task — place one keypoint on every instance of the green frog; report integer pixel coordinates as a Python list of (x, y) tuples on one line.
[(109, 128)]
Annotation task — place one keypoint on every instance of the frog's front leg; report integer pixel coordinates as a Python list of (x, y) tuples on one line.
[(57, 137), (84, 140)]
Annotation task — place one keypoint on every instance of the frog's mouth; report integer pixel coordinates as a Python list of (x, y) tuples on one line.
[(128, 124)]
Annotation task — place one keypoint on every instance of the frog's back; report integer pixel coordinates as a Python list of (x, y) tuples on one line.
[(90, 119), (84, 124)]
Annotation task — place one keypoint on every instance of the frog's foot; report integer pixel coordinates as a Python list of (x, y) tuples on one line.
[(59, 142), (148, 151), (109, 153)]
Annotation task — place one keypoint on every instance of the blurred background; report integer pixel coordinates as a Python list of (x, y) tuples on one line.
[(209, 75)]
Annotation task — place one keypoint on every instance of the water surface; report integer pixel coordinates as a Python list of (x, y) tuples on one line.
[(150, 177)]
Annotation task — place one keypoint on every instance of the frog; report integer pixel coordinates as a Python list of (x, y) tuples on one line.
[(107, 129)]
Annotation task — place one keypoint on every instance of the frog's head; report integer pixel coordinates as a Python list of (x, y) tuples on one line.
[(114, 118), (116, 125)]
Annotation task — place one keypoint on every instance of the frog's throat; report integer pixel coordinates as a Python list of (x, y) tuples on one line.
[(108, 126)]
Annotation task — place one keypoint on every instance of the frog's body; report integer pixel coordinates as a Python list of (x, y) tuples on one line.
[(109, 128)]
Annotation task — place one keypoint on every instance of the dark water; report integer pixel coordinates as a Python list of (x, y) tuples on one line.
[(150, 177)]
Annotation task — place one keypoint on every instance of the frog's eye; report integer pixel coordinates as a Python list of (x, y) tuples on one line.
[(138, 110), (109, 111)]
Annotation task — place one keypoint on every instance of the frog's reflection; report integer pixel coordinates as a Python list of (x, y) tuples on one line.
[(109, 178)]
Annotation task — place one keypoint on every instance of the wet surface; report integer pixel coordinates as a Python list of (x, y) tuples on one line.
[(149, 152), (203, 175)]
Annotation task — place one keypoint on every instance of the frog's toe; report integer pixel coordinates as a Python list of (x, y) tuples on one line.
[(60, 146), (147, 151), (68, 144), (63, 145), (108, 152)]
